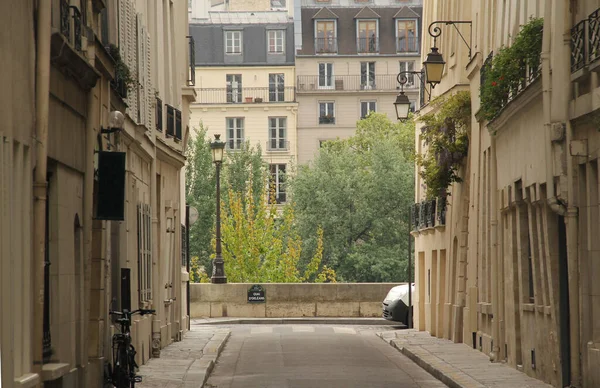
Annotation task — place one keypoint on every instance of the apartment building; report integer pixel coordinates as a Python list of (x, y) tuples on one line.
[(245, 84), (89, 196), (508, 266), (348, 58)]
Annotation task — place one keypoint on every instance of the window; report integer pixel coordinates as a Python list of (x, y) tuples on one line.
[(367, 36), (276, 41), (406, 35), (408, 66), (366, 107), (233, 42), (367, 75), (326, 113), (235, 133), (325, 75), (277, 134), (326, 41), (144, 235), (234, 87), (277, 186), (276, 87)]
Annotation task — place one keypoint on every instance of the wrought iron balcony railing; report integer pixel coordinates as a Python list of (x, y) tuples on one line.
[(246, 95), (407, 45), (367, 45), (326, 45), (278, 145), (351, 83), (77, 21), (429, 213), (65, 23), (327, 119), (585, 42)]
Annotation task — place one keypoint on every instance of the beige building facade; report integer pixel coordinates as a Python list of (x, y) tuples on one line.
[(245, 85), (58, 214), (348, 58), (509, 270)]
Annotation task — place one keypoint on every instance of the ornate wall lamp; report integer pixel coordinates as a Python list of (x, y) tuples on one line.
[(402, 103), (434, 64)]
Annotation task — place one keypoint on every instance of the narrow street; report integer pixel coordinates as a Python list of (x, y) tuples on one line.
[(312, 356)]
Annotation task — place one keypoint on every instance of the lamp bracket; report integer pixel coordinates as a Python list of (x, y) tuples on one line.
[(436, 31), (402, 80), (109, 130)]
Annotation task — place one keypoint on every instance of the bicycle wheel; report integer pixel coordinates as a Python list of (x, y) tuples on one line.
[(121, 377)]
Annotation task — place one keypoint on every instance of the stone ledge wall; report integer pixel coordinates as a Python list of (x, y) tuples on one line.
[(289, 300)]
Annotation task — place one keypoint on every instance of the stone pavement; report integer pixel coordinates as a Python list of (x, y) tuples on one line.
[(314, 356), (185, 364), (457, 365)]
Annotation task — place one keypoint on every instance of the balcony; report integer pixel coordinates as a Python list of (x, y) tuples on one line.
[(585, 44), (278, 145), (246, 95), (326, 46), (327, 119), (407, 45), (71, 31), (429, 214), (367, 45), (349, 83), (191, 81)]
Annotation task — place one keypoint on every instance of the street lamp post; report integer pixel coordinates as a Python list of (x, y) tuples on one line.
[(218, 272)]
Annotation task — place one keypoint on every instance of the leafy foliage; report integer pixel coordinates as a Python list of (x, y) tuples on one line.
[(261, 247), (508, 70), (240, 168), (122, 72), (359, 191), (445, 134)]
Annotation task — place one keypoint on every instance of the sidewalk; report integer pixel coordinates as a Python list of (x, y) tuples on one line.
[(299, 320), (185, 364), (457, 365)]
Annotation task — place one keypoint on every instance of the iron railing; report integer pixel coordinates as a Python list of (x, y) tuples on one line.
[(65, 23), (246, 95), (407, 45), (159, 115), (191, 81), (183, 246), (275, 145), (327, 119), (367, 45), (578, 46), (326, 45), (429, 213), (316, 83), (485, 69), (585, 41), (119, 86), (76, 28)]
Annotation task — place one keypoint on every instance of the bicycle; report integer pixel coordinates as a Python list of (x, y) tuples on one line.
[(122, 374)]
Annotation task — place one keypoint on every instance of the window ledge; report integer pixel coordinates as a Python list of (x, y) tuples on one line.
[(53, 371), (528, 307), (28, 380)]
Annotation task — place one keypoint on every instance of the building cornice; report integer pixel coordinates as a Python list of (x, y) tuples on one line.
[(168, 154)]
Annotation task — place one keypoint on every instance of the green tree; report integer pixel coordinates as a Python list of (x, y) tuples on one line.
[(262, 246), (239, 168), (359, 191)]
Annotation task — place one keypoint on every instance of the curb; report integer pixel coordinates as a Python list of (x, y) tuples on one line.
[(201, 369), (455, 381), (324, 321)]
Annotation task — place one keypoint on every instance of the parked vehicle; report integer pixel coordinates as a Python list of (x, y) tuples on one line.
[(123, 374), (395, 305)]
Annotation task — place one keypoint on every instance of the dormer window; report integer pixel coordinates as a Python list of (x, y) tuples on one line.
[(407, 38), (367, 36), (326, 37), (233, 42)]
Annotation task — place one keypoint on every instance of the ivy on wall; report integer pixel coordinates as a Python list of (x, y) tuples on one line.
[(446, 136), (511, 68)]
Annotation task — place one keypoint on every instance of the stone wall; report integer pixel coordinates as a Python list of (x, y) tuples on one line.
[(289, 300)]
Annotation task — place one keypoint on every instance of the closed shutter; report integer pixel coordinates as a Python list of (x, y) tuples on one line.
[(131, 60), (150, 98), (141, 58)]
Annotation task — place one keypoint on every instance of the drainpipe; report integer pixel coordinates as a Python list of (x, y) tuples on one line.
[(157, 299), (42, 100), (495, 354)]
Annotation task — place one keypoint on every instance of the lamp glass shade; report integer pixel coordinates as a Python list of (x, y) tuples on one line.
[(116, 119), (402, 105), (434, 67), (217, 147)]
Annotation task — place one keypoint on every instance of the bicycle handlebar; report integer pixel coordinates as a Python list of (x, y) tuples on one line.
[(130, 313)]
